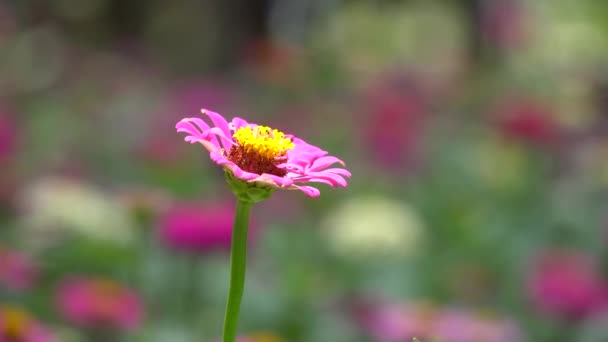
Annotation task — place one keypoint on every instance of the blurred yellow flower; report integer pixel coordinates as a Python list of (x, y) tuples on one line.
[(54, 206), (373, 226)]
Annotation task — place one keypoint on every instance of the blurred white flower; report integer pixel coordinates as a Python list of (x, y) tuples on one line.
[(373, 226), (54, 206)]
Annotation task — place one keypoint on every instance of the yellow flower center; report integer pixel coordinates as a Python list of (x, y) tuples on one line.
[(15, 323), (263, 140), (260, 149)]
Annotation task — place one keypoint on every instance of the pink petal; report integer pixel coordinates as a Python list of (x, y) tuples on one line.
[(324, 162), (199, 122), (244, 175), (276, 180), (339, 171), (314, 180), (309, 191), (238, 123), (323, 177), (220, 159), (202, 132), (218, 121), (226, 142)]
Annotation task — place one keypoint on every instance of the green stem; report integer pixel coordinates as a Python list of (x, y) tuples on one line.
[(238, 264)]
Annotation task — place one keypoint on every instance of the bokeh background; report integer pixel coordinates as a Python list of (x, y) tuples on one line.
[(476, 132)]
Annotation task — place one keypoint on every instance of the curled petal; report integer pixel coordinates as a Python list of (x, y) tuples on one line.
[(339, 171), (323, 177), (199, 122), (218, 121), (197, 128), (226, 142), (324, 162), (309, 190)]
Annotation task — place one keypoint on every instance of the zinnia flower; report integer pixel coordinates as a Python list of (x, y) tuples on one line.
[(99, 304), (567, 284), (198, 228), (17, 325), (17, 271), (260, 155)]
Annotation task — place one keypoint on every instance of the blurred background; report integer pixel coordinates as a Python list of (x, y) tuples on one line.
[(476, 132)]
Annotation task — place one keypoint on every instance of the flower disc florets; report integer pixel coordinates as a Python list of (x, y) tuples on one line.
[(260, 149)]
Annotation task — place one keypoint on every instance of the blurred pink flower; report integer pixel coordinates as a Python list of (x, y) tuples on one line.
[(397, 322), (402, 322), (454, 325), (528, 121), (198, 228), (504, 22), (99, 303), (17, 271), (566, 284), (8, 136), (260, 155), (393, 127), (17, 325)]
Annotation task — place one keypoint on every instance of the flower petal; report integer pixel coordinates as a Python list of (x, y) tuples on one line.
[(309, 190), (275, 180), (226, 142), (323, 177), (237, 123), (218, 121), (324, 162), (339, 171), (200, 131)]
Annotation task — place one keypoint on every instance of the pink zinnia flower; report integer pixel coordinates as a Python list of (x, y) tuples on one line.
[(99, 304), (17, 271), (566, 284), (394, 128), (260, 155), (17, 325), (198, 228)]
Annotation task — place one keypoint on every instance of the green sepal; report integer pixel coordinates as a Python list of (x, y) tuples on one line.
[(248, 192)]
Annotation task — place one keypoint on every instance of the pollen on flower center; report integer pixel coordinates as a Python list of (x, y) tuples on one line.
[(259, 149)]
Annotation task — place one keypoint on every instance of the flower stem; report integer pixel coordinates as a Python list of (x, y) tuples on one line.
[(238, 261)]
